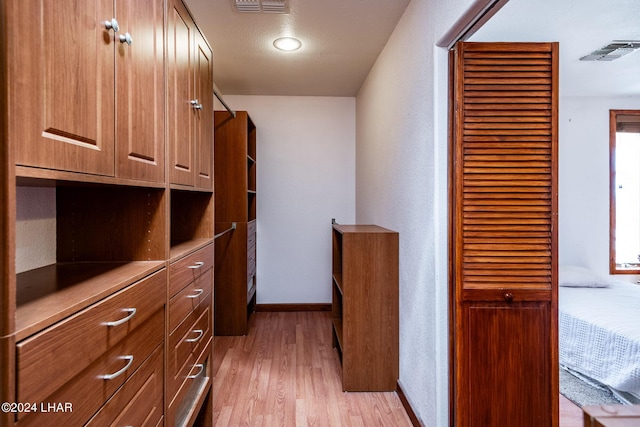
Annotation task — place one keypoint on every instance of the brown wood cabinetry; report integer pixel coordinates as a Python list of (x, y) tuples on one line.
[(236, 198), (125, 293), (190, 98), (365, 306), (82, 98)]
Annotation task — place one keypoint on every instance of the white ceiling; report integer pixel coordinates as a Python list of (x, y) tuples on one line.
[(341, 40), (581, 26)]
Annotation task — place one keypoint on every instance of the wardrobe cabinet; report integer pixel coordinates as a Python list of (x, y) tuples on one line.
[(190, 98), (365, 306), (87, 87), (116, 317), (235, 193)]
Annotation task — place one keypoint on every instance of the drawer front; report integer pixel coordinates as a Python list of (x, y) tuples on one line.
[(196, 384), (187, 269), (185, 301), (89, 390), (139, 401), (62, 351), (186, 343)]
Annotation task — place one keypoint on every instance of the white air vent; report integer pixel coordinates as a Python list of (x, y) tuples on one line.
[(612, 51), (266, 6), (274, 6), (248, 5)]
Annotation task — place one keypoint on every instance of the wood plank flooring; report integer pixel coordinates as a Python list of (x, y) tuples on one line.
[(285, 373)]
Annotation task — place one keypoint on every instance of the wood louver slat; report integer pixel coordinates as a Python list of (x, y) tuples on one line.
[(504, 169)]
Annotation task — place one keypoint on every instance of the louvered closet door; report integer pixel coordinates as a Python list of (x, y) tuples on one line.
[(504, 236)]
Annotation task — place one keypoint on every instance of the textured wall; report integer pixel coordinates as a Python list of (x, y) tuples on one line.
[(584, 180), (401, 183), (306, 176), (35, 227)]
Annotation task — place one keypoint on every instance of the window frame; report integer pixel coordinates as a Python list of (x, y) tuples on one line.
[(613, 127)]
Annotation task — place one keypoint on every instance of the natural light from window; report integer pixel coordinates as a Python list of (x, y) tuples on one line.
[(627, 186)]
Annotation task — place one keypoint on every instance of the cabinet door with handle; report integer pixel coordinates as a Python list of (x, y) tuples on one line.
[(61, 96), (182, 103), (139, 102), (204, 119)]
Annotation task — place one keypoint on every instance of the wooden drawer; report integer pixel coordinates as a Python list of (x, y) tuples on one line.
[(185, 301), (139, 401), (187, 269), (186, 343), (89, 390), (62, 351), (195, 386)]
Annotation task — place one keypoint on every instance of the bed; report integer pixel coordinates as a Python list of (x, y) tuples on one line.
[(599, 330)]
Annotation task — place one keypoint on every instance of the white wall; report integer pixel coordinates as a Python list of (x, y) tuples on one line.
[(306, 177), (584, 180), (35, 227), (401, 183)]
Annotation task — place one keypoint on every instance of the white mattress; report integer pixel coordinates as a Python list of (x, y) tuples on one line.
[(599, 333)]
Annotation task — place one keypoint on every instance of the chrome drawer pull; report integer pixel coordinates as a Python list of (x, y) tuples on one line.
[(198, 264), (197, 294), (123, 320), (200, 333), (121, 371), (201, 366)]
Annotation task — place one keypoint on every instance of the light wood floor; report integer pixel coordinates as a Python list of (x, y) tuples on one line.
[(286, 373)]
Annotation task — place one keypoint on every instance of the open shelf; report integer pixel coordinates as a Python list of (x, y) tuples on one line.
[(191, 221)]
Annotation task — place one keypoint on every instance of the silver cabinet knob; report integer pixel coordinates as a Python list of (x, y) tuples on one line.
[(112, 25), (126, 38), (196, 105)]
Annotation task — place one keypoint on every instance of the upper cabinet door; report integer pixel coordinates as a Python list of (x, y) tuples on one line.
[(62, 74), (139, 98), (180, 94), (204, 113), (504, 234)]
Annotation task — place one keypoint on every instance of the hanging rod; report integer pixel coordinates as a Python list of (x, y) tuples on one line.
[(233, 113), (233, 227)]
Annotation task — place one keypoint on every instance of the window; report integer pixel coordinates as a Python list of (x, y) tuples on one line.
[(624, 157)]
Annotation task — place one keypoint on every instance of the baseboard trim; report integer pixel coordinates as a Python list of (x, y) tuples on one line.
[(293, 307), (407, 407)]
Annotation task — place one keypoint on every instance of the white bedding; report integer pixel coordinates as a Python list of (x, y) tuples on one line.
[(599, 334)]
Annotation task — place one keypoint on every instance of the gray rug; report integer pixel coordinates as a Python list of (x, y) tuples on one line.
[(582, 393)]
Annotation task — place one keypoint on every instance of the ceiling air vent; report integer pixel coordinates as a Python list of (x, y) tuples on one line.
[(616, 49), (266, 6)]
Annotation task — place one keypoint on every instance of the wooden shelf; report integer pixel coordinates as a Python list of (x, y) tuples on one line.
[(236, 202), (49, 294), (180, 249), (364, 308)]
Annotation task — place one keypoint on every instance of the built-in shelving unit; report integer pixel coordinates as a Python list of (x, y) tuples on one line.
[(117, 320), (364, 308), (236, 202)]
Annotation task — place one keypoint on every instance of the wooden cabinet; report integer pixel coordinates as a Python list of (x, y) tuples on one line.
[(365, 306), (190, 99), (236, 200), (128, 274), (81, 99), (190, 333)]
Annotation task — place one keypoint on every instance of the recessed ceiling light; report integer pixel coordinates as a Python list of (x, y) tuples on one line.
[(287, 44)]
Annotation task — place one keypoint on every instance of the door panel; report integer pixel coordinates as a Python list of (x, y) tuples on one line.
[(204, 115), (140, 91), (180, 93), (504, 234), (62, 99)]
